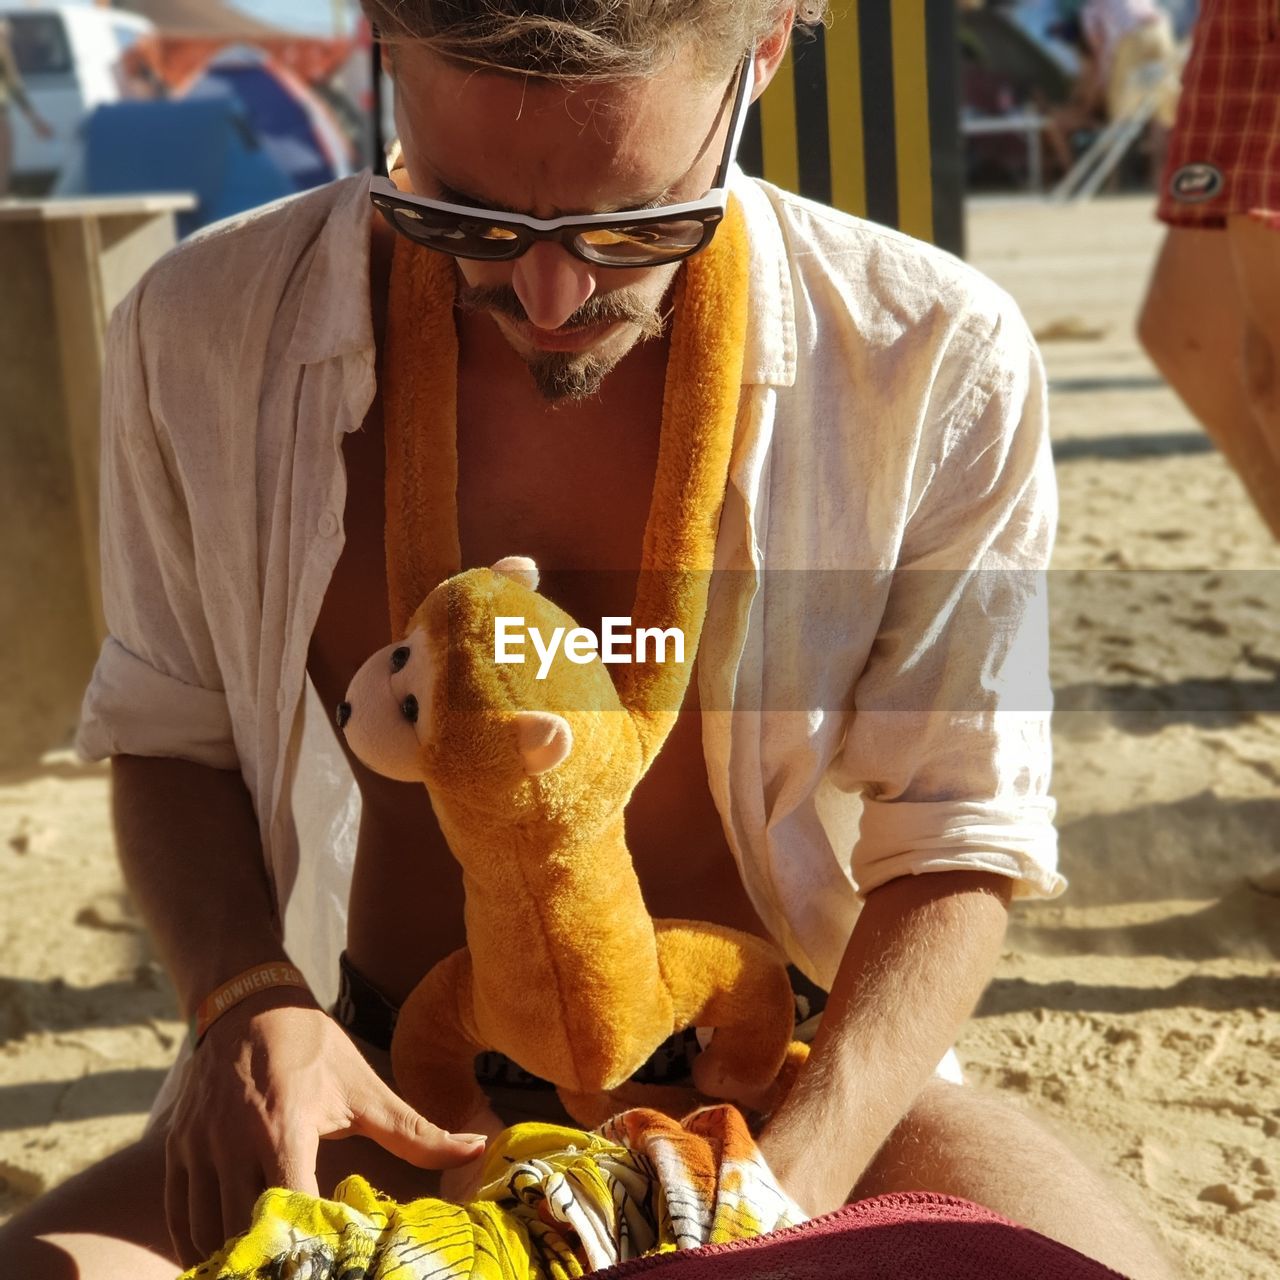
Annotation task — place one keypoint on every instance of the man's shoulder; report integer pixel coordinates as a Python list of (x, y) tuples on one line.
[(238, 271), (885, 281)]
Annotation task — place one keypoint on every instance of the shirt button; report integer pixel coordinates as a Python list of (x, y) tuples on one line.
[(328, 524)]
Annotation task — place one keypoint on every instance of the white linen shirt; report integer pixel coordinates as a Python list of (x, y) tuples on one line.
[(860, 722)]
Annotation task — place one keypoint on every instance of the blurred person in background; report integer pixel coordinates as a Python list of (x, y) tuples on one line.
[(13, 91), (1211, 318), (1127, 52)]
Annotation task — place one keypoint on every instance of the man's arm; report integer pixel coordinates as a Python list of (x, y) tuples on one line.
[(274, 1075), (189, 849), (919, 957), (948, 745)]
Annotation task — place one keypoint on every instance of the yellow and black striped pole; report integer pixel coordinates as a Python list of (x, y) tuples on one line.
[(864, 115)]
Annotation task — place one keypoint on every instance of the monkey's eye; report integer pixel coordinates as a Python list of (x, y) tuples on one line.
[(409, 709), (399, 657)]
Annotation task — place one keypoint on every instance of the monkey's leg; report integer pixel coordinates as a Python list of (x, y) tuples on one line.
[(435, 1044), (737, 984), (591, 1110)]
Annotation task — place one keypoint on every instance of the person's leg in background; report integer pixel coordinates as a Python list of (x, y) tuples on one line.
[(1210, 321), (1254, 243), (1193, 325)]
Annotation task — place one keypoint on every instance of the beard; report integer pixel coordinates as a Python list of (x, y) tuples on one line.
[(573, 375)]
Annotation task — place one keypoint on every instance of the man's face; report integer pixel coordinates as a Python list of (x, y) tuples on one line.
[(536, 147)]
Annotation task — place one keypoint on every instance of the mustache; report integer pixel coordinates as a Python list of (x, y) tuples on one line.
[(626, 305)]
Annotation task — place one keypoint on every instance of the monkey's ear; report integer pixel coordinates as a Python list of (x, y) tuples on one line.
[(519, 569), (545, 740)]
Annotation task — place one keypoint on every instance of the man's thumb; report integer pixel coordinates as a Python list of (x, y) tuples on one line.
[(397, 1127)]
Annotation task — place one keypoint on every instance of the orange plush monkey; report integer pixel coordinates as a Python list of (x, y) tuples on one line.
[(564, 970)]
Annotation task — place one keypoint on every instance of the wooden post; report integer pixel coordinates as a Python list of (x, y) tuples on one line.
[(65, 265)]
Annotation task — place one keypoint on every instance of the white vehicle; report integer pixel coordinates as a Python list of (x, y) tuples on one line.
[(68, 56)]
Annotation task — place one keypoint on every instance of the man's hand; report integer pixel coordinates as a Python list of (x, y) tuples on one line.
[(267, 1083), (816, 1183)]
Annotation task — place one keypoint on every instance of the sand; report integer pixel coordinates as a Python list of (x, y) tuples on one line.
[(1140, 1013)]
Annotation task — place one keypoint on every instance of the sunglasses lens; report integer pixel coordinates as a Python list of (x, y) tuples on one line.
[(451, 234), (643, 243)]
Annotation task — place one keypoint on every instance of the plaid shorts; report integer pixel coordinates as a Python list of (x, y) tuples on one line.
[(1224, 155)]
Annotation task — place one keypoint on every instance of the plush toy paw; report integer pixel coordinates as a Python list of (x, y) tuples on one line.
[(713, 1077), (591, 1110)]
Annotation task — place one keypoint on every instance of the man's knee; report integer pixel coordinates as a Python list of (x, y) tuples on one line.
[(106, 1223), (73, 1255), (964, 1141), (947, 1125)]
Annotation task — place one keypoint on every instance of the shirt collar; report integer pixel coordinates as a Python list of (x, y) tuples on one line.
[(770, 356), (335, 316), (335, 319)]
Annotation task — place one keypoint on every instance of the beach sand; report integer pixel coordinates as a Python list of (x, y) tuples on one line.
[(1139, 1013)]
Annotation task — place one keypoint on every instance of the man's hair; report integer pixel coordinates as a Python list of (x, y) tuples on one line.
[(586, 39)]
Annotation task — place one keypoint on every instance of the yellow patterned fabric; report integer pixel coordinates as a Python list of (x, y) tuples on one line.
[(555, 1203)]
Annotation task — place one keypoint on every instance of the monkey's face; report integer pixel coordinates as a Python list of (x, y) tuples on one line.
[(387, 713)]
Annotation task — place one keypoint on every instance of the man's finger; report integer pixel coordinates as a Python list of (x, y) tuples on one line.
[(397, 1127), (204, 1201), (294, 1166), (240, 1190), (176, 1211)]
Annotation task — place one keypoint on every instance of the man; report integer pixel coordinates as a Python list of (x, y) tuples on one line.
[(1211, 318), (891, 419)]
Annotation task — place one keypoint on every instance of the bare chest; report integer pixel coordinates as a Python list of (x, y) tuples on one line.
[(568, 486), (571, 489)]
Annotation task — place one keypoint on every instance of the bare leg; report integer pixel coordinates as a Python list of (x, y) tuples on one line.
[(737, 984), (1255, 254), (958, 1140), (1057, 133), (1192, 326), (108, 1223)]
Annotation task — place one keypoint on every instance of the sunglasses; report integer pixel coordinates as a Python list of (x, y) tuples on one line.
[(628, 238)]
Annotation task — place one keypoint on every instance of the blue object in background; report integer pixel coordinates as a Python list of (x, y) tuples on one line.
[(294, 126), (204, 146)]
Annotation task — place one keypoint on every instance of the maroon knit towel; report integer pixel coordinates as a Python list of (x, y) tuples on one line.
[(906, 1236)]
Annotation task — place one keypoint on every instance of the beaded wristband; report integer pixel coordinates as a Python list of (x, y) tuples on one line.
[(227, 996)]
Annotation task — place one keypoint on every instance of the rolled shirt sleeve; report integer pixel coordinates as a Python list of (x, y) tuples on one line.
[(156, 688), (949, 740)]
